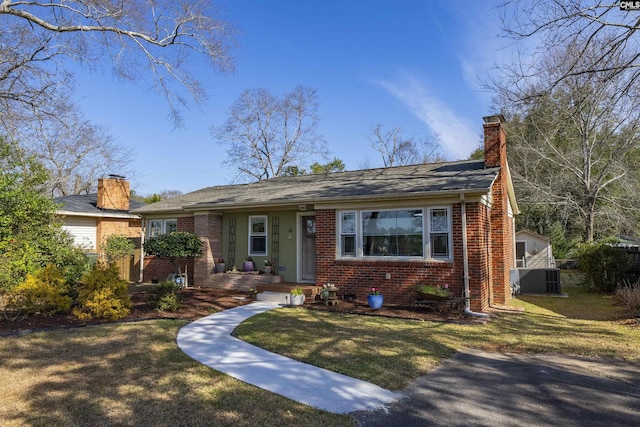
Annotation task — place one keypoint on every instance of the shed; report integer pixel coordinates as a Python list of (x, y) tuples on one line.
[(533, 250)]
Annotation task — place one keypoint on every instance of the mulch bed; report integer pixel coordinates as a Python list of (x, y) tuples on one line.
[(197, 303), (395, 311), (200, 302)]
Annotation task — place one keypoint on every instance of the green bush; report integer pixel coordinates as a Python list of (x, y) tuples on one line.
[(166, 297), (44, 292), (603, 266), (117, 247), (102, 294)]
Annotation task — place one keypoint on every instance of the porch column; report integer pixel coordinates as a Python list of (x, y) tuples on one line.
[(209, 227)]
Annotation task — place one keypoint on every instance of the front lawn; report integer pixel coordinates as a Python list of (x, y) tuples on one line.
[(393, 352), (130, 374)]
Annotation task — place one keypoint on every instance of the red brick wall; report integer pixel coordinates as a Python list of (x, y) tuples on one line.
[(209, 228), (355, 277), (479, 255), (501, 238), (186, 224), (160, 268)]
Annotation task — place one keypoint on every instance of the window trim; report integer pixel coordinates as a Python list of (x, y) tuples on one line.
[(251, 235), (449, 232), (354, 234), (426, 234)]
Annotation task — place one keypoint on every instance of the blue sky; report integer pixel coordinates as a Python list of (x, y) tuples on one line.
[(413, 64)]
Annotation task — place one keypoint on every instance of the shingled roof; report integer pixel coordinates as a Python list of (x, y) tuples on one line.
[(400, 182), (86, 205)]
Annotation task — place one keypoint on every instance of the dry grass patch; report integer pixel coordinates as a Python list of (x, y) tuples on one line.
[(393, 352), (130, 374)]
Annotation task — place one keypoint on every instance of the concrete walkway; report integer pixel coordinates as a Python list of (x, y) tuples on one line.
[(209, 341)]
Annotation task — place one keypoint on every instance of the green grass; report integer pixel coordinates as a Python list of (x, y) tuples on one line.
[(134, 374), (392, 352), (130, 374)]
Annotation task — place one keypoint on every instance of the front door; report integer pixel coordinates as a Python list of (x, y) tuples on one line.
[(308, 248)]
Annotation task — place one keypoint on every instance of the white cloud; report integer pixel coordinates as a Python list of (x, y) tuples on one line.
[(458, 138)]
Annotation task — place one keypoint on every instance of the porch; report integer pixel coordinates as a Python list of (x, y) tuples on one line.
[(239, 281)]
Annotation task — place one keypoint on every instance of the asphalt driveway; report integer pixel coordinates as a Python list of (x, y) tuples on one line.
[(487, 389)]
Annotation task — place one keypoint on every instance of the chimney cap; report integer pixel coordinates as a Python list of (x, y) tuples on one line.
[(496, 118), (112, 175)]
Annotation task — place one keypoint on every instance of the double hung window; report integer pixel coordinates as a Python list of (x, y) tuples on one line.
[(258, 235)]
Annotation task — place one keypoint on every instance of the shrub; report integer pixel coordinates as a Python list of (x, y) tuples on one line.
[(44, 292), (603, 266), (433, 290), (118, 247), (166, 297), (103, 294), (629, 295)]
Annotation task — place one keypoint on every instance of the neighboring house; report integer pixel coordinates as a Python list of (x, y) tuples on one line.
[(91, 218), (533, 250), (444, 223)]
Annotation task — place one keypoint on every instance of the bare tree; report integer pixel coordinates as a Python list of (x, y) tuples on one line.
[(141, 38), (397, 150), (575, 144), (75, 151), (266, 135), (595, 25)]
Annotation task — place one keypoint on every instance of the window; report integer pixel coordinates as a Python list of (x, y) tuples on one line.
[(392, 233), (258, 235), (399, 233), (161, 226), (170, 225), (348, 234), (439, 233)]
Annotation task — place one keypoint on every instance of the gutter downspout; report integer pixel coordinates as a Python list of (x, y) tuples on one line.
[(465, 262)]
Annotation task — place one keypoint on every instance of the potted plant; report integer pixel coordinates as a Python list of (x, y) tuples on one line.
[(432, 292), (267, 266), (248, 264), (220, 266), (374, 298), (296, 297)]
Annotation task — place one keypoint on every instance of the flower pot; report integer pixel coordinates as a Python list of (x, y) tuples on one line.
[(220, 268), (296, 299), (375, 301), (267, 269), (248, 266)]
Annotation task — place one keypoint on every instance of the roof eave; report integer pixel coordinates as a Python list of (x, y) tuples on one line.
[(99, 214), (307, 201)]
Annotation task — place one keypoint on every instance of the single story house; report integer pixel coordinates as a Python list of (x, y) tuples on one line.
[(91, 218), (533, 250), (442, 223)]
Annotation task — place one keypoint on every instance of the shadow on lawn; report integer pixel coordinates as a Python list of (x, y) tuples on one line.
[(130, 374)]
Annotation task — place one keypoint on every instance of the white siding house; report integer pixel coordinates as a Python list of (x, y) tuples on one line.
[(83, 231)]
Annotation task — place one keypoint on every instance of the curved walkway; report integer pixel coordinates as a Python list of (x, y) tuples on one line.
[(209, 341)]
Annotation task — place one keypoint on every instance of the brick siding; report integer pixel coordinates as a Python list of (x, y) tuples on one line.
[(355, 277)]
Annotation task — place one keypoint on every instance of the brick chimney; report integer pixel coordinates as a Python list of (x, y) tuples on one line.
[(113, 193), (495, 142)]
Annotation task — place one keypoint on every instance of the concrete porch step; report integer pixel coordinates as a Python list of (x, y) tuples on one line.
[(310, 291), (277, 297)]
